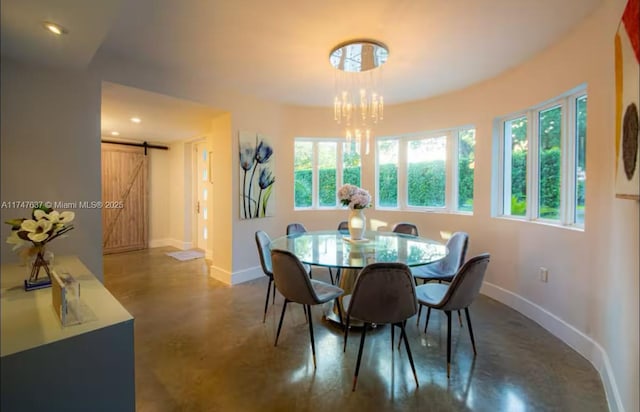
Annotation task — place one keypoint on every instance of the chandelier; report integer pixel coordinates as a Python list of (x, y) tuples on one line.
[(358, 103)]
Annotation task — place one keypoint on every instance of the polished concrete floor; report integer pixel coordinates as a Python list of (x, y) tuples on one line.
[(202, 346)]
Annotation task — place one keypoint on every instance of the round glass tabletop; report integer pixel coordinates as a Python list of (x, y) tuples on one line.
[(334, 249)]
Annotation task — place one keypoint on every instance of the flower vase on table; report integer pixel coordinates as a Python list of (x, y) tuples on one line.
[(39, 269), (45, 225), (357, 224), (357, 199)]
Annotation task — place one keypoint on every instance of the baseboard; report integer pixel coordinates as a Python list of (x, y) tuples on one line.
[(220, 274), (246, 275), (577, 340), (170, 242)]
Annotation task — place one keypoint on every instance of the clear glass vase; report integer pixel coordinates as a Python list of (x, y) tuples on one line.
[(39, 269)]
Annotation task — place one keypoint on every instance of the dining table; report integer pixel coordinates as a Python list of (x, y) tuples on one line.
[(334, 249)]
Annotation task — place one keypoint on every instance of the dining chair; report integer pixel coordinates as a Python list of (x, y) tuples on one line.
[(384, 293), (446, 268), (296, 228), (293, 228), (293, 282), (263, 240), (405, 228), (457, 295), (343, 226)]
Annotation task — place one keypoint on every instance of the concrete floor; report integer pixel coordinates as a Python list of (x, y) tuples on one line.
[(202, 346)]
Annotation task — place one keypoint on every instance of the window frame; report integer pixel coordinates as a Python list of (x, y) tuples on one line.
[(315, 171), (452, 136), (568, 160)]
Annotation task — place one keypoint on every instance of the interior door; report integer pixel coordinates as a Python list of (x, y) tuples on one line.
[(203, 190), (124, 198)]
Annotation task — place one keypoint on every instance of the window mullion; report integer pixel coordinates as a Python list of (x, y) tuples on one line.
[(505, 172), (403, 182), (315, 178), (567, 176), (451, 188), (533, 162)]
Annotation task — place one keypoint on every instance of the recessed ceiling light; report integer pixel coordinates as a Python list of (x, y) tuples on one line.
[(54, 28), (114, 133), (136, 119)]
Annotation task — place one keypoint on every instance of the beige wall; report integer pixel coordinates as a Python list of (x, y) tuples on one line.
[(50, 151)]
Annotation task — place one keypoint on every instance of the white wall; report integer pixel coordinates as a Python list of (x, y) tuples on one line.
[(50, 151), (591, 300), (159, 197)]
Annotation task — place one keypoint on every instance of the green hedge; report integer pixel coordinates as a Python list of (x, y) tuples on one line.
[(426, 184)]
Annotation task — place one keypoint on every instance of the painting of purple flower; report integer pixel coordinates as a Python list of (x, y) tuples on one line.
[(257, 175)]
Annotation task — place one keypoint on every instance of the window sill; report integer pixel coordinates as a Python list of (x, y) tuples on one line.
[(574, 228)]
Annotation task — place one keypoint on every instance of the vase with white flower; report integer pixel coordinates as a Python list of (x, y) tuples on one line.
[(32, 236), (357, 199)]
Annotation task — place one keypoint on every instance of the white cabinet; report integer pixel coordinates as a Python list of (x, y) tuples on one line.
[(47, 367)]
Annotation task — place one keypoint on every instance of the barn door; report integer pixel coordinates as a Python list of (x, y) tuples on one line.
[(124, 198)]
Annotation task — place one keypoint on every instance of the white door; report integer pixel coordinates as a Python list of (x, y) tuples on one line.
[(203, 188)]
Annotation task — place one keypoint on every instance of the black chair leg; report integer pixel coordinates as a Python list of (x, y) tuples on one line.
[(448, 343), (393, 339), (313, 343), (331, 276), (284, 308), (419, 314), (266, 302), (404, 323), (346, 334), (339, 306), (406, 345), (355, 377), (427, 321), (338, 272), (473, 341), (274, 293), (460, 318)]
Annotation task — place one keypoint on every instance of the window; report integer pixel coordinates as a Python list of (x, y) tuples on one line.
[(321, 166), (430, 171), (541, 162)]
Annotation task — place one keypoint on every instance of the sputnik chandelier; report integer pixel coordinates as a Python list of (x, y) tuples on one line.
[(358, 103)]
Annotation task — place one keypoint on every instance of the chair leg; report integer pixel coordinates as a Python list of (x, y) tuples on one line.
[(284, 308), (427, 322), (355, 377), (404, 323), (460, 318), (266, 301), (473, 341), (339, 306), (346, 334), (338, 272), (310, 273), (331, 276), (419, 314), (406, 345), (448, 342), (313, 343), (273, 301), (393, 339)]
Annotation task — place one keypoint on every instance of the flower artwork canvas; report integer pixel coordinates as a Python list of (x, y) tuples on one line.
[(257, 176)]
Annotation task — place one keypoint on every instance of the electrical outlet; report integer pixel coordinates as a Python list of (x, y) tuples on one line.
[(544, 274)]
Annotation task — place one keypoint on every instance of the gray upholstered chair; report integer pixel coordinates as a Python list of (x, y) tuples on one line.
[(383, 293), (343, 226), (263, 240), (293, 228), (297, 228), (459, 294), (293, 282), (405, 228), (444, 269)]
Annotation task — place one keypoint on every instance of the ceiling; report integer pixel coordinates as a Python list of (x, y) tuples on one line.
[(278, 50)]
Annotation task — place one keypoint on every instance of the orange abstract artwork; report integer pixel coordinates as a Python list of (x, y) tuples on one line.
[(627, 69)]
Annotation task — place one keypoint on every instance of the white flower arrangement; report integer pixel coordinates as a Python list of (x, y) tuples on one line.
[(45, 225), (354, 197)]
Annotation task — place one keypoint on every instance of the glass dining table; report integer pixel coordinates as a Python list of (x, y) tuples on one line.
[(334, 249)]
